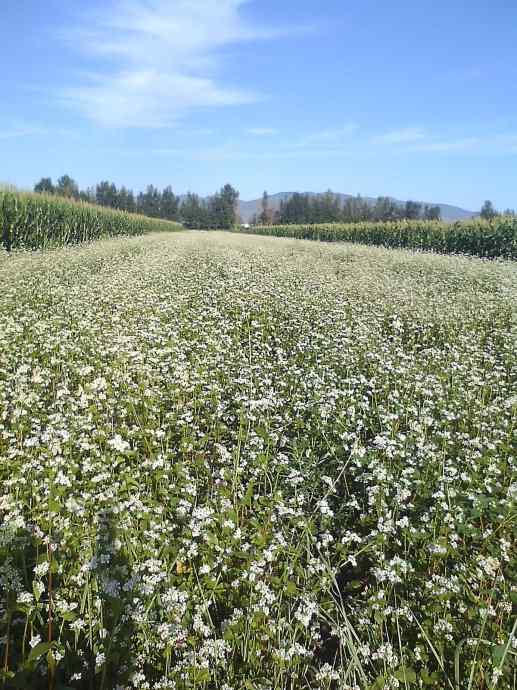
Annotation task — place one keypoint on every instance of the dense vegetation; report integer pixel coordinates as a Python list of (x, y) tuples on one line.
[(33, 221), (217, 212), (310, 209), (490, 239), (230, 462)]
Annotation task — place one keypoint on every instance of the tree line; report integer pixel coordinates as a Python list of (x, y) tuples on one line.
[(489, 212), (308, 209), (218, 211)]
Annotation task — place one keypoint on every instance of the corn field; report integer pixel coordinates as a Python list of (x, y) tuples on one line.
[(487, 239), (34, 221)]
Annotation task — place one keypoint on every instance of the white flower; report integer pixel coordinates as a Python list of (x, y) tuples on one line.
[(41, 569), (118, 443)]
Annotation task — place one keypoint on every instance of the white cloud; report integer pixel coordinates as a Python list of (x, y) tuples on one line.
[(262, 131), (407, 135), (19, 132), (419, 140), (159, 59), (444, 146), (329, 137)]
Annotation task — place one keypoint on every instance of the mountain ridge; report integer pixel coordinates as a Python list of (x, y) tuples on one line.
[(247, 209)]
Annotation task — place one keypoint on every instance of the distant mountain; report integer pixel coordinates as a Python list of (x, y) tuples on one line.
[(248, 209)]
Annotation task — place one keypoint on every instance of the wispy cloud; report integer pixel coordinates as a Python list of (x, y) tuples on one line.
[(407, 135), (349, 141), (20, 132), (262, 131), (328, 137), (444, 146), (159, 59), (420, 140)]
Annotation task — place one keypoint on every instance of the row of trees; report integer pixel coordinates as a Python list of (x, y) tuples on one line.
[(328, 208), (489, 212), (219, 211)]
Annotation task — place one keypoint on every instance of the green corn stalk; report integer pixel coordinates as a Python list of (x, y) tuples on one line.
[(34, 221)]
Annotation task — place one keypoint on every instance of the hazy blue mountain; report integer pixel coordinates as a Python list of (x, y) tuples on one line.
[(248, 209)]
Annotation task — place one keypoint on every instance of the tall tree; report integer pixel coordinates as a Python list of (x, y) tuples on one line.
[(229, 199), (488, 211), (266, 214), (412, 210), (88, 195), (386, 209), (169, 204), (44, 186), (150, 202), (193, 212), (66, 186), (106, 194), (432, 212)]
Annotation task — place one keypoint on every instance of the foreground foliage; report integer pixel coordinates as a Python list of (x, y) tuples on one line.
[(231, 462), (34, 221), (487, 239)]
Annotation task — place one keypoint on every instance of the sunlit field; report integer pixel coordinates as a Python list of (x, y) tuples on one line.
[(241, 463)]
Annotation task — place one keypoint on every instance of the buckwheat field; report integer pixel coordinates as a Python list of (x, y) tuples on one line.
[(240, 463)]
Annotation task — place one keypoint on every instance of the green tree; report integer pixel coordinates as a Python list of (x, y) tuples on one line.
[(149, 202), (412, 210), (266, 215), (88, 195), (66, 186), (44, 186), (106, 194), (387, 209), (432, 212), (169, 205), (229, 198), (193, 212), (488, 211)]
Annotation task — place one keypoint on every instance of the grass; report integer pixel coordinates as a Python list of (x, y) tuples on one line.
[(230, 462)]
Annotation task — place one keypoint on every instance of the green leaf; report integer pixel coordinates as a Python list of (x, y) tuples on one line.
[(405, 674), (39, 650), (54, 506), (498, 653), (429, 679), (291, 589)]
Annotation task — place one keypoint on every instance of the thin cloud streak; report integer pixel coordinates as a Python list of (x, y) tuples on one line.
[(329, 137), (160, 60), (21, 132), (407, 135), (262, 131), (334, 143)]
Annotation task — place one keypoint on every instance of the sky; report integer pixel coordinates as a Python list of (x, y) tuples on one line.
[(415, 100)]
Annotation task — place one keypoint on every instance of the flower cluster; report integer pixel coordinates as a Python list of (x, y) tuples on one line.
[(237, 462)]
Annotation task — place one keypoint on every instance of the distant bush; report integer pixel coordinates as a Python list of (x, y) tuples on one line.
[(490, 239), (34, 221)]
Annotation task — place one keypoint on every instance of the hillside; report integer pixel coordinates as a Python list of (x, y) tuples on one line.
[(248, 209)]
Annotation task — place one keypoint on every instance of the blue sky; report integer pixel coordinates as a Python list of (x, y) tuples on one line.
[(409, 99)]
